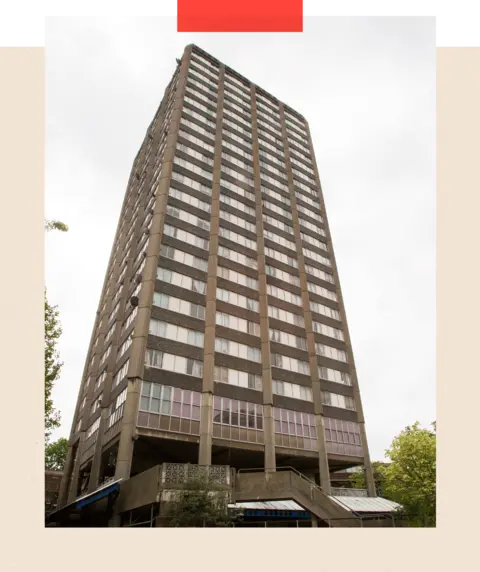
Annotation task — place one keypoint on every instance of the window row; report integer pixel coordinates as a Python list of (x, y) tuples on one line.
[(314, 271), (288, 339), (237, 257), (285, 295), (334, 375), (236, 204), (238, 221), (193, 168), (277, 223), (177, 305), (336, 400), (237, 299), (236, 349), (181, 280), (237, 413), (185, 236), (281, 257), (325, 310), (237, 277), (328, 331), (183, 257), (282, 241), (237, 324), (238, 378), (282, 275), (174, 363), (290, 364), (156, 398), (188, 217), (284, 316), (189, 200), (317, 257), (189, 182), (292, 390), (237, 238), (176, 333), (321, 291), (332, 353)]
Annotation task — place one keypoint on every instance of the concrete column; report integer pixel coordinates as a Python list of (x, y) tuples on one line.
[(268, 419), (128, 433), (73, 486), (312, 355), (97, 456), (206, 412), (348, 342), (67, 475)]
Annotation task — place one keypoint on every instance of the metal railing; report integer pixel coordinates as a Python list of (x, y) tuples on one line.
[(348, 492)]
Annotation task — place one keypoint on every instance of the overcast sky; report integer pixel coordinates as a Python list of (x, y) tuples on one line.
[(367, 89)]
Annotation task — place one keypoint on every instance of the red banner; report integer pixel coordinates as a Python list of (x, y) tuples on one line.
[(239, 15)]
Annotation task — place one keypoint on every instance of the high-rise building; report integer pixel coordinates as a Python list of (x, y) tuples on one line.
[(220, 336)]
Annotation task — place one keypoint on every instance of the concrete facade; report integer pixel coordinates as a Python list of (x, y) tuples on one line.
[(225, 194)]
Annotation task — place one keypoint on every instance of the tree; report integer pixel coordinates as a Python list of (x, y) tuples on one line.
[(53, 365), (55, 225), (201, 502), (410, 478), (56, 454), (359, 482)]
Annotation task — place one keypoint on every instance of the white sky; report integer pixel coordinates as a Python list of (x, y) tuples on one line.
[(367, 89)]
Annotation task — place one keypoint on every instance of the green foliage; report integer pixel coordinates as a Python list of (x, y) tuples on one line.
[(359, 482), (56, 454), (53, 365), (410, 478), (201, 503), (55, 225)]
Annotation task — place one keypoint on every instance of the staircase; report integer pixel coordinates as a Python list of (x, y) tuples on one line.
[(286, 483)]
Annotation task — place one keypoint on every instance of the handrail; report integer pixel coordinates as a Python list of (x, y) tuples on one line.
[(286, 468)]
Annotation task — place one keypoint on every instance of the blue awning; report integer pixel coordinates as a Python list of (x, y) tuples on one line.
[(100, 493)]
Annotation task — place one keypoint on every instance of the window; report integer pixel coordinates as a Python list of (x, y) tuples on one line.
[(315, 256), (93, 428), (343, 437), (328, 331), (125, 345), (319, 273), (235, 377), (96, 404), (120, 375), (238, 324), (185, 236), (238, 238), (130, 318), (321, 291), (276, 209), (336, 400), (191, 183), (314, 241), (283, 295), (295, 429), (325, 310), (282, 241), (238, 350), (173, 401), (189, 199), (281, 257), (105, 354), (290, 364), (288, 339), (100, 379), (282, 275), (238, 221), (176, 333), (334, 375), (179, 305), (237, 257), (277, 223), (236, 204), (116, 409), (330, 352), (237, 277), (171, 362), (183, 257), (238, 190), (288, 317), (292, 390), (237, 414), (181, 280), (237, 299)]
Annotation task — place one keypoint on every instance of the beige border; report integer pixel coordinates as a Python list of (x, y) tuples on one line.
[(27, 545)]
